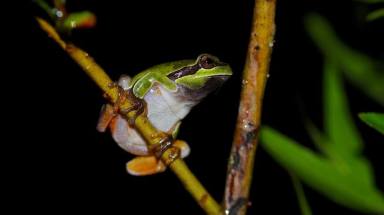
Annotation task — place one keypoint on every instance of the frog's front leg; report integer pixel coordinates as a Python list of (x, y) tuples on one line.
[(138, 105), (144, 84), (148, 165)]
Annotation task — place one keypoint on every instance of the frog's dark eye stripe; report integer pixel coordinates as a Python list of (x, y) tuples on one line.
[(188, 70), (204, 61)]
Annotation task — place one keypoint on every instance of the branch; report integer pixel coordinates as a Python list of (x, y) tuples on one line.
[(142, 124), (240, 165)]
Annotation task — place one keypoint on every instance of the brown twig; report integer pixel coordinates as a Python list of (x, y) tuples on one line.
[(142, 124), (240, 166)]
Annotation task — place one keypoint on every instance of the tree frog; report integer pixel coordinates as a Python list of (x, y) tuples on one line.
[(169, 90)]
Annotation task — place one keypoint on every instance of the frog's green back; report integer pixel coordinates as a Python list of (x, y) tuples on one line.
[(164, 69)]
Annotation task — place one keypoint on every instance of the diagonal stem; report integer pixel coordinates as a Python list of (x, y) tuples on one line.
[(240, 165), (142, 124)]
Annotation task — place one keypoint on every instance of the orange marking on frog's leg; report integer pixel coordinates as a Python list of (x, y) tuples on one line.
[(145, 165), (113, 124), (107, 114)]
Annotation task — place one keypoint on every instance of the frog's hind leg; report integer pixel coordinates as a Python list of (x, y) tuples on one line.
[(107, 114), (148, 165), (127, 137)]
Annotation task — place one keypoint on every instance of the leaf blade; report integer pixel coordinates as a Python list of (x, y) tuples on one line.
[(320, 174), (364, 72), (376, 14), (301, 198), (375, 120), (338, 123)]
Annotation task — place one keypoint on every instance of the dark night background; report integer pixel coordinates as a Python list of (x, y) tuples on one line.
[(61, 163)]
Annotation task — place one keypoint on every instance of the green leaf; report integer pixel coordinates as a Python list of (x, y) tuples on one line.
[(46, 7), (343, 186), (322, 142), (338, 123), (370, 1), (361, 70), (303, 202), (375, 120), (377, 14)]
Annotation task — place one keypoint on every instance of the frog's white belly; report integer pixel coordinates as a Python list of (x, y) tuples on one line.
[(164, 111)]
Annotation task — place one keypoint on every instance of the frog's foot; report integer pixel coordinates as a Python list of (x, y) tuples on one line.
[(164, 144), (145, 165), (148, 165), (179, 148), (185, 150)]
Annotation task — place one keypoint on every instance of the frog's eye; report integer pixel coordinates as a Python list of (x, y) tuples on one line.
[(207, 62)]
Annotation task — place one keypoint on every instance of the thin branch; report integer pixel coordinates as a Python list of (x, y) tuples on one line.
[(240, 165), (142, 124)]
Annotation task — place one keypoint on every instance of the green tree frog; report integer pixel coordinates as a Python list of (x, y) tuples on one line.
[(169, 90)]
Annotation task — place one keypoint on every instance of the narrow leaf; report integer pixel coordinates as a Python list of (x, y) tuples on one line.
[(362, 71), (375, 120), (319, 173), (303, 202), (338, 122), (375, 14), (321, 141), (370, 1)]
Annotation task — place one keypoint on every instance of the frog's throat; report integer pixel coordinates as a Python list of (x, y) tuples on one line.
[(195, 95)]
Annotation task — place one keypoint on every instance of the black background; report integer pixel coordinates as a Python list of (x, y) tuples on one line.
[(61, 163)]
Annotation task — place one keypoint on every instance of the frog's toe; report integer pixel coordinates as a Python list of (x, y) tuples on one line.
[(184, 148), (145, 165)]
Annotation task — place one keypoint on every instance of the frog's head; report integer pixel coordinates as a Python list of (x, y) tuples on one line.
[(203, 76)]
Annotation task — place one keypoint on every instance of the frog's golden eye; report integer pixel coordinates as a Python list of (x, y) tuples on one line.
[(207, 62)]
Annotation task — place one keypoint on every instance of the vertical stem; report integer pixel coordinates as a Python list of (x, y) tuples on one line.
[(240, 165)]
